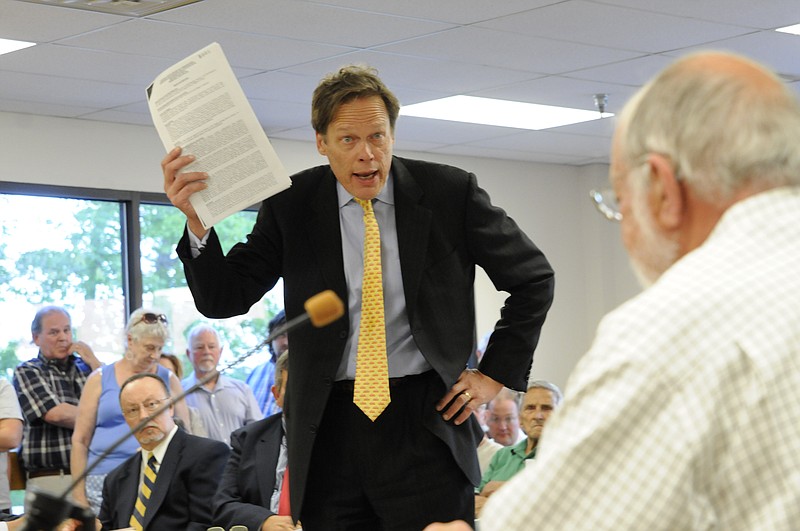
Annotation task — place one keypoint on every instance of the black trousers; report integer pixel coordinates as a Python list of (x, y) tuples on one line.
[(390, 475)]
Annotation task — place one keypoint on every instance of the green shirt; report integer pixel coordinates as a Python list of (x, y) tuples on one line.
[(505, 463)]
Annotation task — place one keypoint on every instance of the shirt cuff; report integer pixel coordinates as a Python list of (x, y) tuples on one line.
[(196, 245)]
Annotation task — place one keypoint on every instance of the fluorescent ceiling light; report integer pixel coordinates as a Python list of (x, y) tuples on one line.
[(794, 30), (503, 113), (8, 45)]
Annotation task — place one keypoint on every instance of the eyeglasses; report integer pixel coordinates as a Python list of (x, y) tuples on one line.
[(152, 318), (502, 420), (606, 203), (149, 407)]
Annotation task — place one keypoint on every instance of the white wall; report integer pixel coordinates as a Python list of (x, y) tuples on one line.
[(550, 202)]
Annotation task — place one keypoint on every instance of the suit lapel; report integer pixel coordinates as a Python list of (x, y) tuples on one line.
[(267, 454), (128, 489), (413, 229), (165, 473), (322, 227)]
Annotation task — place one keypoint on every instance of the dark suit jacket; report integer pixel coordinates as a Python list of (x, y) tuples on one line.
[(446, 225), (244, 496), (185, 485)]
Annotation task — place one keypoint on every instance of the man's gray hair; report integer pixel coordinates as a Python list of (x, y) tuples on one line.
[(36, 324), (198, 329), (558, 396), (724, 129)]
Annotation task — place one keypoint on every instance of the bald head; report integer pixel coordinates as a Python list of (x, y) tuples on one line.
[(726, 124)]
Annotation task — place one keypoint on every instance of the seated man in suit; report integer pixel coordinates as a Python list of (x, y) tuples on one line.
[(253, 492), (170, 483)]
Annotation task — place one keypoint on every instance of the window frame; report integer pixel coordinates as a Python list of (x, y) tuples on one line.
[(130, 227)]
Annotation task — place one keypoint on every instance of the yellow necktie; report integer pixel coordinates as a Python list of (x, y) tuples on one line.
[(371, 393), (146, 489)]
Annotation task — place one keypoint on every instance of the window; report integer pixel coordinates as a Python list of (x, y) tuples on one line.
[(164, 285), (60, 251), (75, 248)]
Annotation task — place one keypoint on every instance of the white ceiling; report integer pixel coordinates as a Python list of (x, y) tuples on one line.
[(95, 66)]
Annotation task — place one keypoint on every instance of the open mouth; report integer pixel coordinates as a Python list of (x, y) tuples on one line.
[(366, 176)]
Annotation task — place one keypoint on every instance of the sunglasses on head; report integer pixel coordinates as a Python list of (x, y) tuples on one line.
[(152, 318)]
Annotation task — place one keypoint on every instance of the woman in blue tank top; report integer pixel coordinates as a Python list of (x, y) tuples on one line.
[(100, 422)]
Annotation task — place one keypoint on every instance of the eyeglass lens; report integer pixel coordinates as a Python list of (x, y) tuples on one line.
[(606, 203), (149, 407)]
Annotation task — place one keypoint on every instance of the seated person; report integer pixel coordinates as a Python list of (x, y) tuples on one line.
[(169, 484), (224, 404), (502, 418), (253, 492), (539, 401), (487, 447)]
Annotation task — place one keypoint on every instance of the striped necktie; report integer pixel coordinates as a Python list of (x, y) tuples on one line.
[(146, 489), (371, 392)]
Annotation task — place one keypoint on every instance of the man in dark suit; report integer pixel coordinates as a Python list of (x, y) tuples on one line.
[(188, 468), (417, 459), (251, 488)]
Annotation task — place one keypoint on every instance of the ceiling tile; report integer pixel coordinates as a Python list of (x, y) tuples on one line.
[(515, 51), (614, 27), (282, 18), (555, 52), (38, 23), (453, 11), (746, 13)]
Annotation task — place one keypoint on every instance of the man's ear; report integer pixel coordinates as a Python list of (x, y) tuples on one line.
[(667, 199), (274, 391), (322, 148)]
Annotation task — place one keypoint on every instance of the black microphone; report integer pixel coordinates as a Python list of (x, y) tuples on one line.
[(45, 510)]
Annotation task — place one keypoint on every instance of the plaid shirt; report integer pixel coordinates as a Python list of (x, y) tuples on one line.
[(685, 413), (43, 384)]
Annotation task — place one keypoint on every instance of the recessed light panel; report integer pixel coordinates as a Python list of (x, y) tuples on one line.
[(501, 113), (794, 30), (8, 45)]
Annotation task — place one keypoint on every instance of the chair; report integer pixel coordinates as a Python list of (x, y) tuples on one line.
[(16, 474)]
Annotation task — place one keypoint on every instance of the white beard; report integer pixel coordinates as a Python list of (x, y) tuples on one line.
[(653, 253)]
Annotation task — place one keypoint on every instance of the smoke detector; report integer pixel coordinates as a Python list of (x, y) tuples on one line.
[(600, 101)]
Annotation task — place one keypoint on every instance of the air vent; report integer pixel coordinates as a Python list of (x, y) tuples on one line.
[(131, 8)]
